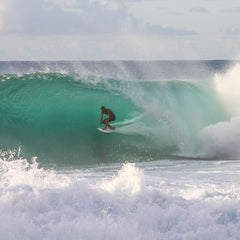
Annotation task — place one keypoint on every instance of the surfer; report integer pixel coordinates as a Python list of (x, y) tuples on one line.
[(111, 117)]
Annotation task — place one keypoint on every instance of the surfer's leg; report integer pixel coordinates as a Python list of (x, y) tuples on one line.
[(110, 127), (110, 120), (105, 121)]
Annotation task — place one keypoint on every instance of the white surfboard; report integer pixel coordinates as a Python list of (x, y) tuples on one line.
[(108, 130)]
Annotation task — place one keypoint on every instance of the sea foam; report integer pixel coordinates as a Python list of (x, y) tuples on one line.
[(126, 202)]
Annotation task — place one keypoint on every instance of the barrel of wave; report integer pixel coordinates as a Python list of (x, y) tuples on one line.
[(54, 117)]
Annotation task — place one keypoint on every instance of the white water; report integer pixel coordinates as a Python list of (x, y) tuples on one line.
[(228, 87), (222, 140), (156, 200)]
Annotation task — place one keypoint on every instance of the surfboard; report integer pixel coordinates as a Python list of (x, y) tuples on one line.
[(105, 131)]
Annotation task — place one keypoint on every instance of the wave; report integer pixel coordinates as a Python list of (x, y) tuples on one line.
[(54, 116)]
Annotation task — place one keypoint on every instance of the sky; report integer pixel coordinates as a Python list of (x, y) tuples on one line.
[(119, 29)]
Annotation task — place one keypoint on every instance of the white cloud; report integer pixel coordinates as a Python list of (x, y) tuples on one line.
[(235, 30), (235, 10), (74, 17), (198, 9), (156, 29), (58, 17), (109, 29)]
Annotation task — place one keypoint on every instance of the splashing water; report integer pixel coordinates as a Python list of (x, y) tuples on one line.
[(222, 140)]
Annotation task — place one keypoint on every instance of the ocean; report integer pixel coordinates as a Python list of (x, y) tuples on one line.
[(170, 170)]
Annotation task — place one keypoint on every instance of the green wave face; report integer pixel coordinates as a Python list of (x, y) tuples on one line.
[(54, 116)]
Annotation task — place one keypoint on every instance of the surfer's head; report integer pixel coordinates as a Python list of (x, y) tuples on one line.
[(103, 109)]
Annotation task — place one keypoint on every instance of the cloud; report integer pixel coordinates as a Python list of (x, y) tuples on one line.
[(62, 17), (198, 9), (156, 29), (51, 17), (232, 10), (233, 31), (176, 13)]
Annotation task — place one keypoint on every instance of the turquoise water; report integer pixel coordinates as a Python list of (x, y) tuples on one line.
[(55, 117)]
